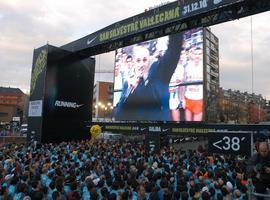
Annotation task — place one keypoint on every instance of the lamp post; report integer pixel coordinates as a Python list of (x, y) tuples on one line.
[(105, 111)]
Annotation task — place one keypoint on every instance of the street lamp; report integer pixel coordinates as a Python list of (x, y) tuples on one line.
[(104, 110)]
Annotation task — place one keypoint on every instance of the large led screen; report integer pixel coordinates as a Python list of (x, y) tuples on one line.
[(160, 79)]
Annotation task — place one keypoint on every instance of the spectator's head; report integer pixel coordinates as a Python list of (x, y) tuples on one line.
[(263, 149), (212, 192), (167, 195), (112, 196), (93, 194), (206, 196), (176, 195), (141, 191), (225, 191), (104, 192), (184, 195), (77, 195), (127, 194), (55, 195), (191, 192), (219, 196), (236, 194)]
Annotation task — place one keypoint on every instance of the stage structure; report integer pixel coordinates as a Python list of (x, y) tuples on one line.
[(61, 89), (62, 78)]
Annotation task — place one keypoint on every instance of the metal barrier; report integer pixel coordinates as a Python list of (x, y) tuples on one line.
[(253, 196), (265, 196)]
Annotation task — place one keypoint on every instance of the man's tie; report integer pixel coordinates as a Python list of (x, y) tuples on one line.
[(141, 81)]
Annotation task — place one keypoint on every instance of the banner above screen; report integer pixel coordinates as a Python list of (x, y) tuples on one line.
[(193, 7), (148, 20)]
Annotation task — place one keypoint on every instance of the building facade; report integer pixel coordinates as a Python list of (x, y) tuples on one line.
[(12, 104), (268, 110), (211, 75), (102, 100), (241, 107)]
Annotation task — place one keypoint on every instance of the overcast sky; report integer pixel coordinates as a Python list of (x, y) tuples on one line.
[(29, 24)]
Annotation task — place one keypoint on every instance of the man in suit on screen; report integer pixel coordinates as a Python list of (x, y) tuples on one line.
[(148, 96)]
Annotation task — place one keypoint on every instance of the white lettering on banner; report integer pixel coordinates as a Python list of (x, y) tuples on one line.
[(217, 1), (154, 128), (194, 6), (67, 104)]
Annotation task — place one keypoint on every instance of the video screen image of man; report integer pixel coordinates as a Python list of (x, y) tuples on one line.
[(145, 74)]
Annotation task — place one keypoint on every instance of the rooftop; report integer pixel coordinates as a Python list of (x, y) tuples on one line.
[(10, 90)]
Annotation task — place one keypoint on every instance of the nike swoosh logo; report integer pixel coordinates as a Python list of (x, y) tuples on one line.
[(89, 41), (79, 105)]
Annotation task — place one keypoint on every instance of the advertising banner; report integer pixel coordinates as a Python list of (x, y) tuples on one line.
[(157, 128), (68, 96), (146, 21), (61, 95), (175, 128), (193, 7), (37, 88), (133, 25)]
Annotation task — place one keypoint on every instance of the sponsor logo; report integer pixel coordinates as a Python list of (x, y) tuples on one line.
[(154, 128), (89, 41), (40, 65), (217, 1), (67, 104)]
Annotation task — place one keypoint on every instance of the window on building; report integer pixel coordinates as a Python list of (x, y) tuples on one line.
[(208, 77), (207, 43), (207, 33), (214, 47), (214, 39), (207, 59), (208, 67), (207, 51), (3, 114)]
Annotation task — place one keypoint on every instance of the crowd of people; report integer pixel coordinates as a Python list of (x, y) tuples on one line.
[(119, 170)]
